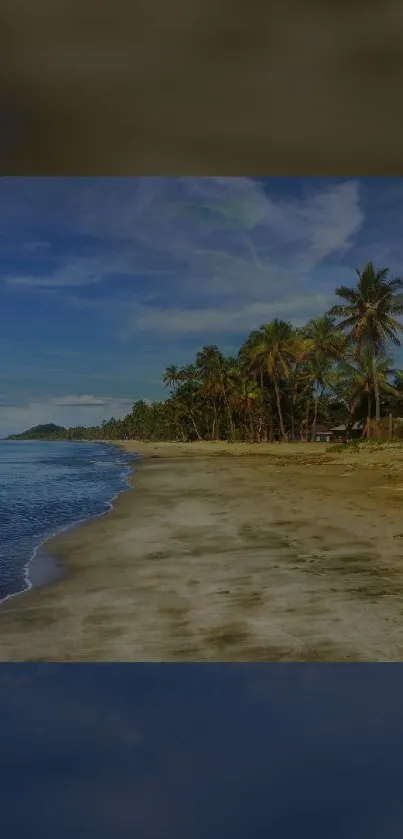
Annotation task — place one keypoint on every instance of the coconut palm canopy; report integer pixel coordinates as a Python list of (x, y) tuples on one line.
[(371, 308), (370, 314)]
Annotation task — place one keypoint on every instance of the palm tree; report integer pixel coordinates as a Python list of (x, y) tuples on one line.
[(325, 337), (172, 376), (244, 395), (209, 364), (189, 373), (369, 314), (358, 379), (272, 348), (299, 383), (327, 344), (188, 402), (320, 367)]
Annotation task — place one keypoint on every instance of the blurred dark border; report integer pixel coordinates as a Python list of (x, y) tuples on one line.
[(185, 751), (208, 87)]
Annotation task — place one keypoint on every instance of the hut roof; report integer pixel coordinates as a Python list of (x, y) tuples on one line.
[(356, 427)]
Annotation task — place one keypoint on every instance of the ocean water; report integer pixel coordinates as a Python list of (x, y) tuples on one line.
[(46, 488)]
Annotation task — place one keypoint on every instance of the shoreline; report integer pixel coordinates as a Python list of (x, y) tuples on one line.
[(213, 557), (57, 571), (34, 570), (41, 555)]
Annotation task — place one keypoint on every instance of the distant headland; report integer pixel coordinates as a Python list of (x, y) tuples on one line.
[(50, 431)]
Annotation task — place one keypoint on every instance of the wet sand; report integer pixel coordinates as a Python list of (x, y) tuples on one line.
[(282, 553)]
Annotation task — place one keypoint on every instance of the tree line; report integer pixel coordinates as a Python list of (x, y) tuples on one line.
[(285, 381)]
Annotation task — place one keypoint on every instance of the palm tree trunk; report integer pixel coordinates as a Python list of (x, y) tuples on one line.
[(293, 403), (229, 415), (280, 413), (199, 437), (318, 397), (315, 417), (307, 412), (376, 386), (271, 418), (367, 428), (214, 430), (249, 416)]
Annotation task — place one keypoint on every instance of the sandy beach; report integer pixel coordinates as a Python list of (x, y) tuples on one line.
[(228, 552)]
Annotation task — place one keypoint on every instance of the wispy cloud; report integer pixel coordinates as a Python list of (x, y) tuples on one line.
[(203, 221), (77, 272), (87, 400), (228, 231), (176, 322)]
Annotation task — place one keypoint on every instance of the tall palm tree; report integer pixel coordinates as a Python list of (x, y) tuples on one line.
[(208, 362), (188, 402), (358, 379), (299, 382), (369, 313), (271, 348), (320, 367), (327, 344), (243, 395)]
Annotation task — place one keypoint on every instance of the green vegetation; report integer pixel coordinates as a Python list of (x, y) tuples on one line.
[(283, 383), (41, 432), (369, 315)]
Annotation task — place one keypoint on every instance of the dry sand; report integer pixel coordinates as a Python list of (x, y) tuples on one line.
[(282, 553)]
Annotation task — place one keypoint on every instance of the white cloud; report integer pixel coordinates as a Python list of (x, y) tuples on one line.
[(178, 322), (78, 272), (231, 241), (85, 401), (227, 233), (177, 215)]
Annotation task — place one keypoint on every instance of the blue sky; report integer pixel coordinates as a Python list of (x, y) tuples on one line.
[(104, 282), (193, 751)]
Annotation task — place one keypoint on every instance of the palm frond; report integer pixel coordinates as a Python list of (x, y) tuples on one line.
[(347, 293)]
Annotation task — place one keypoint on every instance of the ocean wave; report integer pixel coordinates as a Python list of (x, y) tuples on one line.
[(49, 498)]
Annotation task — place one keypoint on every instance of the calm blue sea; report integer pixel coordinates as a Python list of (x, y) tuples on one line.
[(46, 488)]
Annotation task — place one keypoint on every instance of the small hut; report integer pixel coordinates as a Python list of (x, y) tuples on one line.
[(354, 432), (323, 435)]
